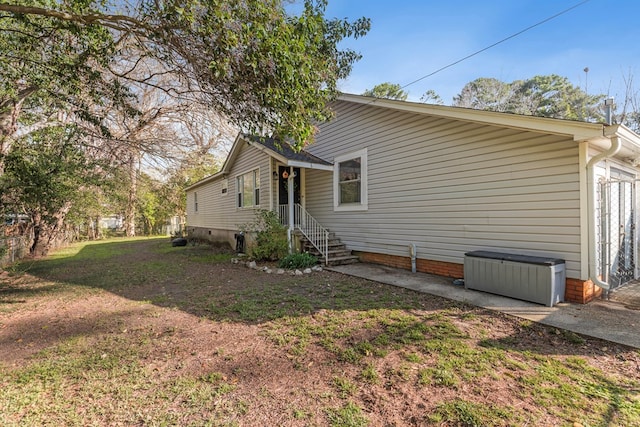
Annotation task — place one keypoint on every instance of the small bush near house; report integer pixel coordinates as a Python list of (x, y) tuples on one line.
[(270, 236), (301, 260)]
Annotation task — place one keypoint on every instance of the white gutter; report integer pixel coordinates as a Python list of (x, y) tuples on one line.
[(616, 144), (307, 165)]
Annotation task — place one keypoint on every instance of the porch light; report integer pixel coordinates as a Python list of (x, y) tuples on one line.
[(275, 175)]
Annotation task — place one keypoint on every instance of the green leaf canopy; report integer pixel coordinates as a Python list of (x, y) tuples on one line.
[(268, 71)]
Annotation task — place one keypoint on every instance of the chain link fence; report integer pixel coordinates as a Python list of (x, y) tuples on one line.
[(13, 249), (616, 230)]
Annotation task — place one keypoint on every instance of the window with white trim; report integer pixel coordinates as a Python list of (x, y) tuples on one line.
[(248, 186), (350, 181)]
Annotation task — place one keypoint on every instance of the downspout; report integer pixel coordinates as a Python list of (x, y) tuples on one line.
[(412, 254), (616, 144)]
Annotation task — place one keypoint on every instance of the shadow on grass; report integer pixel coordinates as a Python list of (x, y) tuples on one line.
[(41, 331), (11, 294), (351, 318), (201, 280)]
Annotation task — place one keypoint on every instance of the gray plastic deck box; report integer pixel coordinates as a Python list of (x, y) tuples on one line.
[(530, 278)]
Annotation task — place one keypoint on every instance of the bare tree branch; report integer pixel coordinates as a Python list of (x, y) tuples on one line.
[(115, 22)]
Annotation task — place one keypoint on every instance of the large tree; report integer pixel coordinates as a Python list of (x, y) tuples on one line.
[(93, 65), (387, 90), (264, 69), (46, 174), (431, 97), (545, 96), (49, 70), (485, 94), (627, 108)]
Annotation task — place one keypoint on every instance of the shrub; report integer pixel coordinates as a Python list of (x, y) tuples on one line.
[(301, 260), (270, 236)]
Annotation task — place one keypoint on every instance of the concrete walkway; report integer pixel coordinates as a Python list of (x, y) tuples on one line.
[(627, 295), (601, 319)]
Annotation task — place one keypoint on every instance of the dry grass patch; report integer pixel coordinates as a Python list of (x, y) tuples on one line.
[(136, 332)]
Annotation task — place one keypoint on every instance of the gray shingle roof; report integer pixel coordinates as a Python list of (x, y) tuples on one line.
[(285, 149)]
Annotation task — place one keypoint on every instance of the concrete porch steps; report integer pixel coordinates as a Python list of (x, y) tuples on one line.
[(338, 252)]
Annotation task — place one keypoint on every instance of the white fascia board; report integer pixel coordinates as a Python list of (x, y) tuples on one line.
[(235, 148), (269, 152), (206, 180), (307, 165), (224, 171), (623, 132), (630, 150)]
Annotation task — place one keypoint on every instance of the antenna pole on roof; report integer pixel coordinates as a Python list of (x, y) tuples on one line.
[(608, 110)]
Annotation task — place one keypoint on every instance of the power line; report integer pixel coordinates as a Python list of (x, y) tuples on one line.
[(497, 43)]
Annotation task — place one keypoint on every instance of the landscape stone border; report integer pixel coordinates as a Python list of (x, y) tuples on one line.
[(297, 272)]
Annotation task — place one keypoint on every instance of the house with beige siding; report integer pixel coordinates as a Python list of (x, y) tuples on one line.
[(392, 179)]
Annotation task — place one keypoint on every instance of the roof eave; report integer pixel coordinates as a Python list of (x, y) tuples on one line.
[(224, 170), (579, 131), (290, 162), (206, 180), (307, 165), (621, 131), (279, 157), (630, 150)]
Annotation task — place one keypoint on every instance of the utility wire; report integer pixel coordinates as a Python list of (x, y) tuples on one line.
[(496, 43)]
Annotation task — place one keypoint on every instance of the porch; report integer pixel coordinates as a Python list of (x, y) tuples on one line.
[(314, 238), (288, 169)]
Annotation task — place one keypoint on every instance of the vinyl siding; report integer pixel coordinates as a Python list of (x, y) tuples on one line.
[(451, 187), (220, 211)]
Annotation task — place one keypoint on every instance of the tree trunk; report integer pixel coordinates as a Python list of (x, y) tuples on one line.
[(48, 235), (9, 112), (130, 211), (36, 220), (91, 234), (92, 228), (98, 228)]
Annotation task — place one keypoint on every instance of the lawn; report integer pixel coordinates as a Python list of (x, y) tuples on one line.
[(137, 332)]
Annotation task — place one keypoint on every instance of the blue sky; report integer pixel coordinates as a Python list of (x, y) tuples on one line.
[(412, 38)]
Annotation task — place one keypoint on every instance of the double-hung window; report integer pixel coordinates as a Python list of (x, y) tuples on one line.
[(350, 181), (248, 186)]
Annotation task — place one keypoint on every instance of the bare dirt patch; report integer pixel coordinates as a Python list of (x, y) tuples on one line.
[(140, 333)]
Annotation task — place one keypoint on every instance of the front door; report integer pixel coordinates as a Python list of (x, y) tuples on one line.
[(283, 185)]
